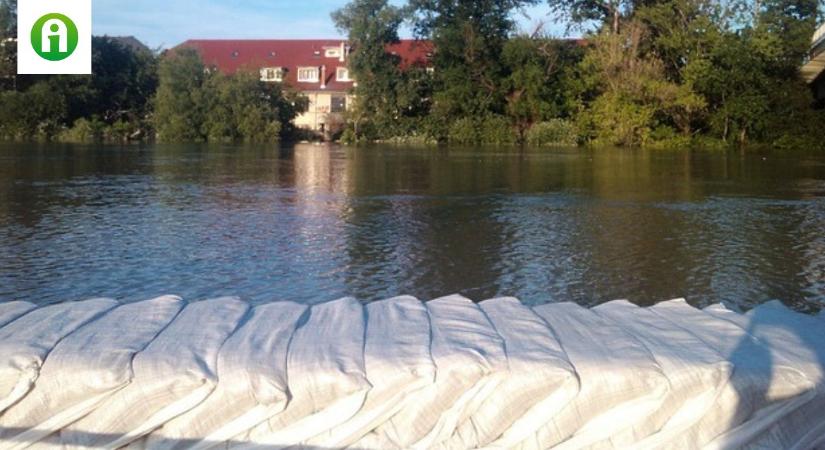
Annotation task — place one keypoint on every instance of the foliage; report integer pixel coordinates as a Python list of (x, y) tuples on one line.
[(8, 49), (469, 38), (552, 132), (490, 129), (123, 81), (196, 104), (537, 84)]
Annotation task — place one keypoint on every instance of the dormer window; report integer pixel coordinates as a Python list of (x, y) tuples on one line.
[(271, 74), (308, 75), (342, 74), (332, 52), (235, 54)]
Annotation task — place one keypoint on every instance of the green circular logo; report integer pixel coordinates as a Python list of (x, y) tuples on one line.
[(54, 37)]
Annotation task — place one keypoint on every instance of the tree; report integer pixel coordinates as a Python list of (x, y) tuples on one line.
[(538, 70), (179, 101), (8, 47), (372, 26), (608, 13), (194, 103), (469, 37)]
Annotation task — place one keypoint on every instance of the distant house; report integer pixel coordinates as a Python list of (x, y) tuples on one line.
[(317, 67)]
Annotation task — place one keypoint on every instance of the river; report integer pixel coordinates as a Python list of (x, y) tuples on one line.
[(312, 223)]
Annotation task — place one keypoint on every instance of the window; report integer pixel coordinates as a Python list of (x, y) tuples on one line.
[(272, 74), (332, 53), (338, 104), (308, 75), (342, 74)]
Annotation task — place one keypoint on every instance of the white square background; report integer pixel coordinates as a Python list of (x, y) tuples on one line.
[(29, 62)]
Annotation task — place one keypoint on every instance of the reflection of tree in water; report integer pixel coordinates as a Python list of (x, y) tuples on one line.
[(422, 240)]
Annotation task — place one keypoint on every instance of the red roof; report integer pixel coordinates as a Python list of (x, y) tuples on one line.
[(229, 56)]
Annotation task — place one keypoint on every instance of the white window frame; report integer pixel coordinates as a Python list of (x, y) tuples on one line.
[(338, 76), (302, 72), (332, 52), (279, 74)]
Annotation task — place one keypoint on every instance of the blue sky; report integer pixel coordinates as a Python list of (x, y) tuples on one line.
[(166, 23)]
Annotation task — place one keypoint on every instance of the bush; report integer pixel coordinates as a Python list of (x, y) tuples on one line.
[(84, 130), (552, 132), (497, 130), (464, 131), (491, 129)]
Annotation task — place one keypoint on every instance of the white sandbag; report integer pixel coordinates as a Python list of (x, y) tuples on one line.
[(325, 373), (252, 382), (398, 365), (539, 381), (619, 379), (171, 376), (798, 338), (763, 380), (465, 349), (84, 369), (12, 310), (25, 343), (696, 373)]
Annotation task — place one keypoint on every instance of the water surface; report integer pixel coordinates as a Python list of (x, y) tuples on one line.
[(313, 223)]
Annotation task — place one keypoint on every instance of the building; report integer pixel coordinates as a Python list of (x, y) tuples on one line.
[(318, 68), (813, 71)]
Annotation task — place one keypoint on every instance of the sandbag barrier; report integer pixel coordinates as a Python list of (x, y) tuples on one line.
[(399, 373)]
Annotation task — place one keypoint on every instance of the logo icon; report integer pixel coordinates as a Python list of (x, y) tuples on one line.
[(54, 37)]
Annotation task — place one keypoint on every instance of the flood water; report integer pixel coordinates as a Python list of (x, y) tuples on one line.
[(313, 223)]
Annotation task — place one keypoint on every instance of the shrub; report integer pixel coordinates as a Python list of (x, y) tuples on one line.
[(83, 130), (552, 132), (497, 130), (464, 131), (491, 129)]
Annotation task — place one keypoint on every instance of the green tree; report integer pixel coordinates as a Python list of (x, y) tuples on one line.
[(194, 103), (8, 48), (537, 81), (469, 37), (178, 104)]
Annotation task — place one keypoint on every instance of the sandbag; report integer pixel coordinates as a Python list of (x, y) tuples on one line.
[(12, 310), (619, 378), (172, 375), (799, 339), (465, 349), (84, 369), (326, 377), (252, 382), (25, 343), (696, 374), (538, 383), (398, 365), (763, 380)]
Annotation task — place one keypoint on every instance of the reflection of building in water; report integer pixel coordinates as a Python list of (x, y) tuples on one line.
[(320, 169)]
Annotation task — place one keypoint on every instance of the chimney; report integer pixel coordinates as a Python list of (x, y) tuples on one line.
[(324, 76)]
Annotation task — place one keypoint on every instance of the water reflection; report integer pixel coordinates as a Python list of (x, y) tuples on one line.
[(311, 223)]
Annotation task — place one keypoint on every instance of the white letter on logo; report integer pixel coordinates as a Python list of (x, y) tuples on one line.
[(60, 32)]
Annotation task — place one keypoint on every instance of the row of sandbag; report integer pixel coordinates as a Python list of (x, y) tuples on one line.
[(399, 373)]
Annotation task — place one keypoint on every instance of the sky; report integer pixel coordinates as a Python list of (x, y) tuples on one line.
[(166, 23)]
